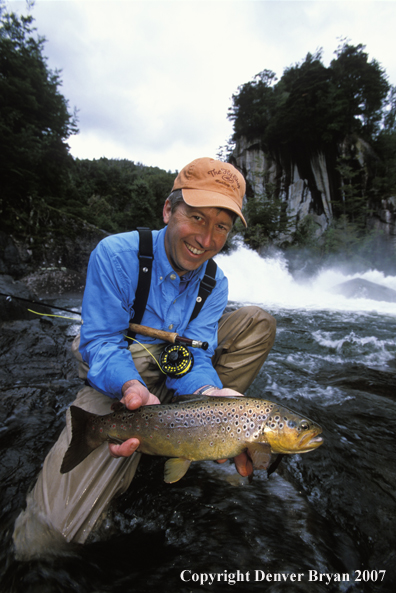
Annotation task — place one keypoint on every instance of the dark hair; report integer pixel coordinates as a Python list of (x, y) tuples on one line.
[(175, 198)]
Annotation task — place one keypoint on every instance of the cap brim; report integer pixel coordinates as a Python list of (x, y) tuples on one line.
[(200, 198)]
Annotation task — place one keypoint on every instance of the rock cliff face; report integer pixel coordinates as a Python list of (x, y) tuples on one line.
[(383, 219), (303, 194), (307, 186)]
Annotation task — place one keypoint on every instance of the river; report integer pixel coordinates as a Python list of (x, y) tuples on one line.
[(324, 521)]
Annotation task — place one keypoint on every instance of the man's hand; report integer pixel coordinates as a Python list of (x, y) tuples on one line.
[(134, 395), (224, 392), (243, 463)]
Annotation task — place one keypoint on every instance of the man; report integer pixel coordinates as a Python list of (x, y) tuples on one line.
[(206, 198)]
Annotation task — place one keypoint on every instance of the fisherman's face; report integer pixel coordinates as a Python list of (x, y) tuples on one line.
[(194, 235)]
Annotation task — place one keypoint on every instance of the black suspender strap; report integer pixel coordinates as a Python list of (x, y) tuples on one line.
[(145, 265), (206, 286)]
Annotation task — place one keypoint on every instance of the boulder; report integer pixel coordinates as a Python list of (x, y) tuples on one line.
[(358, 288)]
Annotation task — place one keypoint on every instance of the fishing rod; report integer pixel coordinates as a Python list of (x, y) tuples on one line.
[(175, 360), (171, 337), (10, 297)]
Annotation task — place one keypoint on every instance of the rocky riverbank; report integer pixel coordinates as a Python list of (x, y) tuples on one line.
[(38, 380)]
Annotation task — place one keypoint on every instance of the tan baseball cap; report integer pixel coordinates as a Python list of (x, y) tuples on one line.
[(209, 183)]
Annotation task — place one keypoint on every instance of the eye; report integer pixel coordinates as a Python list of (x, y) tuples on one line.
[(304, 425)]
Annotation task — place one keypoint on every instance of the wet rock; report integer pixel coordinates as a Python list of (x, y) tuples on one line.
[(358, 288), (55, 281), (34, 352), (38, 381)]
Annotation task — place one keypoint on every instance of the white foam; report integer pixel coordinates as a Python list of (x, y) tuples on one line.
[(267, 281)]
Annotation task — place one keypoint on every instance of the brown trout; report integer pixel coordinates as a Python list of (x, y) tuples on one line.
[(201, 429)]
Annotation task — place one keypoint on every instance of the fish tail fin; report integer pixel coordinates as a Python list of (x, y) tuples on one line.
[(80, 445)]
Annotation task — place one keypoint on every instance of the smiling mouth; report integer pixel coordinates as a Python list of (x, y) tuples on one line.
[(194, 250)]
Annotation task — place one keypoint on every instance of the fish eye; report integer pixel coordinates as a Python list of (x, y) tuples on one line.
[(304, 425)]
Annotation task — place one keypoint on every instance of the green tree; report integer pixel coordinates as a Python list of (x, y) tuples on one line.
[(35, 122), (253, 106), (362, 88), (337, 111)]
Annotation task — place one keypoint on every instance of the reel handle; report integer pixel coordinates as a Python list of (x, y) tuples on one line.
[(160, 334), (171, 337)]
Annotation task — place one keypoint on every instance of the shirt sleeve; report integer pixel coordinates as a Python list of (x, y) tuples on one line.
[(204, 328), (105, 314)]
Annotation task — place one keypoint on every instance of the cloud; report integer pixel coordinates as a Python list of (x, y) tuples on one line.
[(153, 80)]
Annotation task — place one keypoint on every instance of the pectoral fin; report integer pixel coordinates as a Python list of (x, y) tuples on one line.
[(260, 454), (175, 469)]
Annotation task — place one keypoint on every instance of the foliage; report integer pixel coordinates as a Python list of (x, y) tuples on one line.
[(266, 217), (34, 119), (312, 104), (384, 179), (39, 176), (340, 111), (116, 195)]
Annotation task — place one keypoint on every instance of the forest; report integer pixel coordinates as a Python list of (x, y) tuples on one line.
[(335, 111), (310, 108)]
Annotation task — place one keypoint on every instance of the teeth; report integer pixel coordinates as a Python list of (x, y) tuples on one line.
[(194, 250)]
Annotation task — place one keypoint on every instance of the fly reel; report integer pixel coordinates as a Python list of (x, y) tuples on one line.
[(176, 360)]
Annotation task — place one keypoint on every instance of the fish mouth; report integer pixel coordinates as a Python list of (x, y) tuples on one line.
[(310, 441)]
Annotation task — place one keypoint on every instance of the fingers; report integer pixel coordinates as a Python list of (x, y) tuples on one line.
[(135, 394), (224, 392), (243, 465), (125, 450), (133, 400)]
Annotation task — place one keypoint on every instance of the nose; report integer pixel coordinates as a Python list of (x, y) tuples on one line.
[(205, 238)]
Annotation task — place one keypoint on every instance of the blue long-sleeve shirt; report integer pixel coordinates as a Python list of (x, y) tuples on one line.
[(107, 308)]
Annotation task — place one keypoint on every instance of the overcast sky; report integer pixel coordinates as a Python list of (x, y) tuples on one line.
[(153, 79)]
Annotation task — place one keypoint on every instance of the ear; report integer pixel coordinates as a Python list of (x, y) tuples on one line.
[(167, 211)]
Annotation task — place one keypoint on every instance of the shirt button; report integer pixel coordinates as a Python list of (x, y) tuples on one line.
[(160, 277), (170, 326), (173, 276)]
